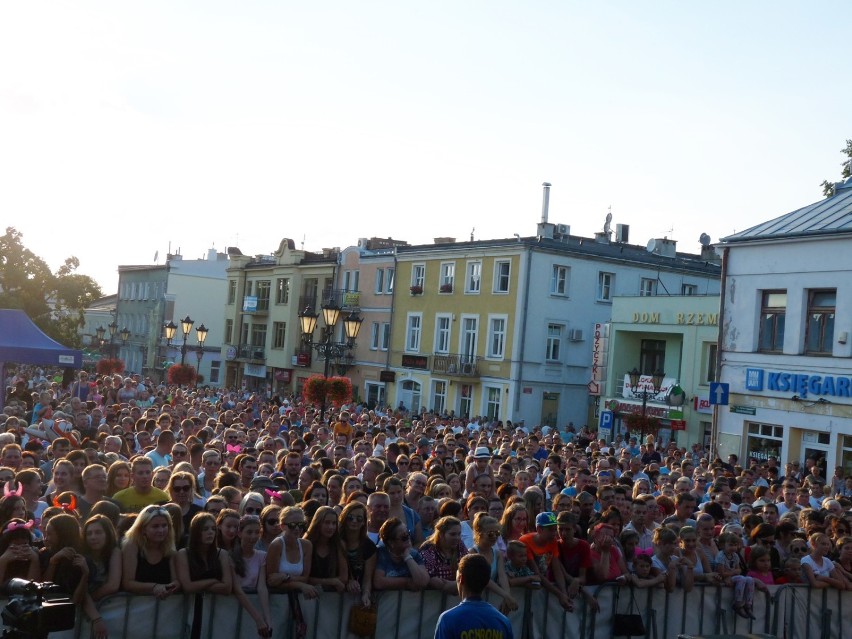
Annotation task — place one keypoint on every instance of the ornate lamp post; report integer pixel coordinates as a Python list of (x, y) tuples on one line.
[(201, 334), (645, 394), (328, 349)]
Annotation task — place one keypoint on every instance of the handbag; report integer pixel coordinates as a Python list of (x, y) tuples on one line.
[(629, 624), (362, 620)]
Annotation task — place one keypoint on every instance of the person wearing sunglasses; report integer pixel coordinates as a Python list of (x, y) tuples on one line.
[(398, 565), (181, 489), (289, 558)]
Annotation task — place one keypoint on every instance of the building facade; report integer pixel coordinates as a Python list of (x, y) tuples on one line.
[(676, 335), (786, 347)]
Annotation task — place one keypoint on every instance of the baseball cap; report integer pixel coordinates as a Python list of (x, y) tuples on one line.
[(482, 452), (545, 519), (423, 442)]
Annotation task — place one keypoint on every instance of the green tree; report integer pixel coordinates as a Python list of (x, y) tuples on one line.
[(54, 301), (828, 187)]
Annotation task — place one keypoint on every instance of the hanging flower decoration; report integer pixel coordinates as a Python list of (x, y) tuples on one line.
[(339, 390), (639, 425), (316, 389), (182, 374), (110, 366)]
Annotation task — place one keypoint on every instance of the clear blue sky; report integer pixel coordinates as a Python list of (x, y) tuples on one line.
[(126, 126)]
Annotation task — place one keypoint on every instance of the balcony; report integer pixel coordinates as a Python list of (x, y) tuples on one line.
[(345, 300), (256, 305), (252, 352), (308, 301), (456, 365)]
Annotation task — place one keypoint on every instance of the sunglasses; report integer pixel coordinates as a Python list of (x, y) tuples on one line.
[(251, 511), (182, 489), (271, 522), (179, 453), (799, 550), (297, 525)]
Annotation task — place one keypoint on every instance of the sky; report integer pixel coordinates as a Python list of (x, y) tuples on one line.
[(129, 129)]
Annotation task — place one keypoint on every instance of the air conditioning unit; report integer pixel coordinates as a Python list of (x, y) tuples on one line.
[(563, 229), (575, 335)]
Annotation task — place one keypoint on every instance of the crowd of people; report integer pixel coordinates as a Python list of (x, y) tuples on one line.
[(121, 484)]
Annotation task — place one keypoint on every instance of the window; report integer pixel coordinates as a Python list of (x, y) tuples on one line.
[(465, 400), (282, 290), (247, 292), (350, 281), (442, 333), (554, 342), (773, 313), (279, 333), (473, 278), (133, 291), (262, 291), (492, 403), (229, 330), (258, 335), (647, 287), (389, 276), (502, 269), (380, 281), (652, 356), (468, 339), (385, 336), (439, 397), (215, 367), (689, 289), (448, 275), (559, 280), (412, 333), (496, 337), (374, 336), (764, 441), (244, 333), (819, 336), (606, 283), (710, 368), (418, 275)]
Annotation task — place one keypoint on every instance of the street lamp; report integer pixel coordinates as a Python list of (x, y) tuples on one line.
[(645, 394), (186, 326), (328, 349), (201, 333)]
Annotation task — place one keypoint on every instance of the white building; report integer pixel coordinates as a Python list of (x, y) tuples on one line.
[(786, 348)]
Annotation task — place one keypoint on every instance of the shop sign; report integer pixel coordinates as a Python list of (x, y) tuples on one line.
[(284, 375), (759, 379), (646, 383), (701, 404), (387, 376), (303, 359), (688, 319), (743, 410), (415, 361), (255, 370), (678, 424), (599, 352), (636, 409)]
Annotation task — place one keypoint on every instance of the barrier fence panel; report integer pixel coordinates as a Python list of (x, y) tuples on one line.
[(791, 612)]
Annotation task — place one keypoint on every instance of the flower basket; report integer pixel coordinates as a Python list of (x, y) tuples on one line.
[(339, 390), (416, 290), (639, 425), (182, 374), (110, 367), (315, 389), (446, 288)]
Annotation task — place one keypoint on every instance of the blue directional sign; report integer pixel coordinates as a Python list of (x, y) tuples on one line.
[(719, 393), (605, 420)]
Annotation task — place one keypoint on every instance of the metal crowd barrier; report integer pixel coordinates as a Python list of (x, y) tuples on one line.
[(791, 612)]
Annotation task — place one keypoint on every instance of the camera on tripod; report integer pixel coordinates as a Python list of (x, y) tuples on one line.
[(33, 613)]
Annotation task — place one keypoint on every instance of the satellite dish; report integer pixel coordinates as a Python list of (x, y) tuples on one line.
[(651, 246), (704, 239)]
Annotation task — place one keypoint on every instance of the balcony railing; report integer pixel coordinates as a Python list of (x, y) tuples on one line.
[(456, 364), (250, 351), (345, 300)]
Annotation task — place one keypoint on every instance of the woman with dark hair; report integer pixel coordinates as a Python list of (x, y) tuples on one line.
[(249, 565), (328, 564), (358, 549), (227, 528), (12, 506), (100, 547), (396, 492), (203, 567), (270, 527), (18, 558), (441, 554), (318, 492), (398, 565), (118, 477)]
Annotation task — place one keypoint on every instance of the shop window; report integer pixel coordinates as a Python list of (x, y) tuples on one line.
[(820, 329), (764, 441), (773, 314)]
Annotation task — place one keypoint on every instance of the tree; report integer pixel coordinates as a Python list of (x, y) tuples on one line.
[(828, 187), (55, 302)]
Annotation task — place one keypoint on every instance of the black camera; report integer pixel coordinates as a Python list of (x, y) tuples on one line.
[(36, 609)]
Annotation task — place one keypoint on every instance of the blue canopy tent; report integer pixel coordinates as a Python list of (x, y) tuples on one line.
[(22, 342)]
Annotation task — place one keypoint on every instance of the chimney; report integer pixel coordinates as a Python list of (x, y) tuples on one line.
[(545, 202), (211, 254)]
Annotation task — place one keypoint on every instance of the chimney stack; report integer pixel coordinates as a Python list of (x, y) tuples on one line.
[(545, 202)]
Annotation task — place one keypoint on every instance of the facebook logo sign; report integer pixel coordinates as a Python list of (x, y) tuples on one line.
[(754, 379)]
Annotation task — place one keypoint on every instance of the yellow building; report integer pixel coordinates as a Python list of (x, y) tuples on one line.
[(453, 327)]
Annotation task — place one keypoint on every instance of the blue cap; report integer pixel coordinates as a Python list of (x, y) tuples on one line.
[(545, 519)]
